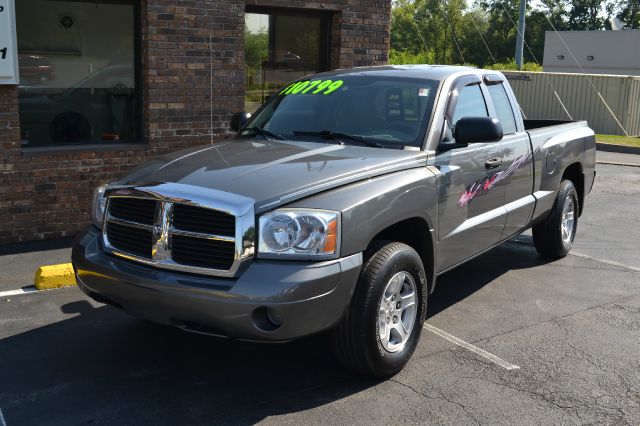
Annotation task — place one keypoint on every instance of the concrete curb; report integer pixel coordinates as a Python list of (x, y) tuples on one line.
[(55, 276), (615, 163), (620, 149)]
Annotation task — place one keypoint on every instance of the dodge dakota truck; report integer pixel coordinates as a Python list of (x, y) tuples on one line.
[(335, 208)]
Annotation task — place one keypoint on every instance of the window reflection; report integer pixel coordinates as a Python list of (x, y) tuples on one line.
[(279, 49), (77, 74)]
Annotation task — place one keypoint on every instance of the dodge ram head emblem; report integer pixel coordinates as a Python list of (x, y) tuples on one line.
[(157, 231)]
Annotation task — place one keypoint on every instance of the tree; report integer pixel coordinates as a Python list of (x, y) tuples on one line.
[(588, 14), (473, 35), (452, 32), (502, 34), (430, 28), (556, 11), (629, 13), (256, 48), (404, 31)]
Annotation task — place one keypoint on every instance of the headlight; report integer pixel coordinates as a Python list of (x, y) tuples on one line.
[(299, 233), (98, 206)]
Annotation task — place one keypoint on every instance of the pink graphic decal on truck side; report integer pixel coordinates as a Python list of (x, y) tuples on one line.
[(488, 182)]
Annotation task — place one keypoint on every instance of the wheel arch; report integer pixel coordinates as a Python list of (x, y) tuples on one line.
[(416, 233), (574, 173)]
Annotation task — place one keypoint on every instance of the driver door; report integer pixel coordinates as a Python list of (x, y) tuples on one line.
[(471, 213)]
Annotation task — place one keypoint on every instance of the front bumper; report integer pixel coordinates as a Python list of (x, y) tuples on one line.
[(304, 297)]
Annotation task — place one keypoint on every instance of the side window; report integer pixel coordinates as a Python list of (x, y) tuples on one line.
[(470, 104), (503, 108)]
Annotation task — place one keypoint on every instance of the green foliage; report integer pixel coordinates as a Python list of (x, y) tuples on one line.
[(511, 66), (587, 14), (256, 48), (629, 13), (618, 140), (484, 32), (400, 57)]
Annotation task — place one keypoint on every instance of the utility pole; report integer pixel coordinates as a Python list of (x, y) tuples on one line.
[(520, 39)]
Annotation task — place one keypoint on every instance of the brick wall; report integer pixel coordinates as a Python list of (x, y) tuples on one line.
[(184, 44)]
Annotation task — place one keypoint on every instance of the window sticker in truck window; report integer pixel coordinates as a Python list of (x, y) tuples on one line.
[(315, 87)]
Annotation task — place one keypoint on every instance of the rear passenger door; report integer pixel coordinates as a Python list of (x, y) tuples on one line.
[(471, 213), (517, 171)]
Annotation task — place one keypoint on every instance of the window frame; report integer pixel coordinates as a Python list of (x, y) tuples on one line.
[(139, 141)]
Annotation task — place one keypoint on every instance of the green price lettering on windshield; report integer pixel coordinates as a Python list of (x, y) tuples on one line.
[(333, 87), (315, 87), (322, 86), (312, 85), (299, 87)]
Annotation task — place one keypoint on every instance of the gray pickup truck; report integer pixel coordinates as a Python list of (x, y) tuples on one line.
[(336, 207)]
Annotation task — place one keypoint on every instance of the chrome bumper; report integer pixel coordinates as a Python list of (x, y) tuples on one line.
[(303, 298)]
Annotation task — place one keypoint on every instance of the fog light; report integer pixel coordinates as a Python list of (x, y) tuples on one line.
[(266, 319), (274, 317)]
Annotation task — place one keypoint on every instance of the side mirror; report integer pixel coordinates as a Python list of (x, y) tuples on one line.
[(477, 130), (238, 120)]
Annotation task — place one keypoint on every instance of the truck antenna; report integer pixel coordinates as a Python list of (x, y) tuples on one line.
[(520, 39)]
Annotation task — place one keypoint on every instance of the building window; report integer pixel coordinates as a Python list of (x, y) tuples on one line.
[(279, 48), (77, 72)]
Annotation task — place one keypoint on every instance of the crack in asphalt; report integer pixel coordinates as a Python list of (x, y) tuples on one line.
[(535, 383), (615, 394), (527, 326), (551, 320), (441, 397)]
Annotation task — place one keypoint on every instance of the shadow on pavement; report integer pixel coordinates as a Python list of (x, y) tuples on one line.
[(463, 281), (101, 366)]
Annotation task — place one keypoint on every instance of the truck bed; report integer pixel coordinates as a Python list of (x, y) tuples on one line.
[(537, 124)]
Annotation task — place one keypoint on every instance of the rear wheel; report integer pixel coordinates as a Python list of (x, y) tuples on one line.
[(382, 326), (554, 236)]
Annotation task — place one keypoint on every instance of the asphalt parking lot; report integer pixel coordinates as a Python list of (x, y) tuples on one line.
[(572, 327)]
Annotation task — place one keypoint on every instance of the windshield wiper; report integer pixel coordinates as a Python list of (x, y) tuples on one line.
[(328, 134), (264, 132)]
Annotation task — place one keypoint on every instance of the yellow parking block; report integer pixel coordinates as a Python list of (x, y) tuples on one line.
[(55, 276)]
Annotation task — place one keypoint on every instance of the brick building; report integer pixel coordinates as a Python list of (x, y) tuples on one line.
[(108, 84)]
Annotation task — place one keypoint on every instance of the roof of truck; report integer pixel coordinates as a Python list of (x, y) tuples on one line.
[(432, 72)]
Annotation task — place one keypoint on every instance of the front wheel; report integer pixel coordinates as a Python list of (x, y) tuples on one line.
[(554, 236), (382, 326)]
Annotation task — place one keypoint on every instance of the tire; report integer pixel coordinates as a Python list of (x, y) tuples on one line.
[(390, 269), (550, 238)]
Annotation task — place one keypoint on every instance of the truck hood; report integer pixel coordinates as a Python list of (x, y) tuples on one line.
[(273, 172)]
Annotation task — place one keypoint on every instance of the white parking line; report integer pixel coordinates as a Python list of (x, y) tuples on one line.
[(453, 339), (605, 261), (2, 422), (23, 290)]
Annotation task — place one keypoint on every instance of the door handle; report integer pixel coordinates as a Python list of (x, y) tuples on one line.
[(492, 163)]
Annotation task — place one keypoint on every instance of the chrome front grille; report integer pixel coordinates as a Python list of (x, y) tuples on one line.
[(138, 210), (129, 239), (202, 252), (172, 226), (201, 220)]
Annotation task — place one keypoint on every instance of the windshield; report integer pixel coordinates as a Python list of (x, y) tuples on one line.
[(388, 112)]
